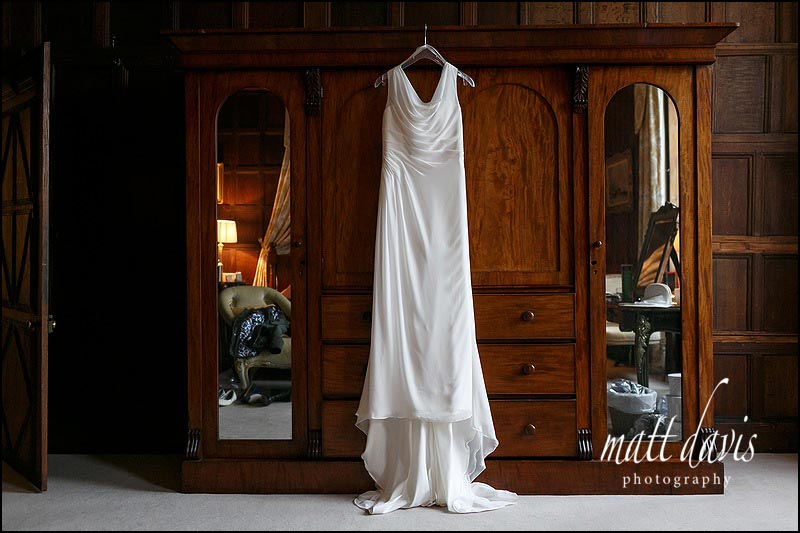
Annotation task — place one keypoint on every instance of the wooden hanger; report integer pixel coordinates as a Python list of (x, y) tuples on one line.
[(425, 51)]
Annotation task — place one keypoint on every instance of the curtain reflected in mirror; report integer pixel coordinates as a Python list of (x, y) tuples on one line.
[(254, 277), (642, 218)]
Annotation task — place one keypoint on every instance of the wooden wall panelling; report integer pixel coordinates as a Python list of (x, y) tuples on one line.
[(779, 303), (757, 20), (740, 94), (507, 13), (787, 25), (678, 12), (732, 400), (432, 14), (731, 191), (359, 14), (548, 12), (779, 195), (203, 15), (316, 14), (761, 398), (775, 381), (783, 90), (275, 15), (732, 293)]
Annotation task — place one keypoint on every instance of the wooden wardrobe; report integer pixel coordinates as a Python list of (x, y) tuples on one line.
[(535, 160)]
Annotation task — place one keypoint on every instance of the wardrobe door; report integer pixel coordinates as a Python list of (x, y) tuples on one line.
[(517, 154), (351, 173), (246, 235)]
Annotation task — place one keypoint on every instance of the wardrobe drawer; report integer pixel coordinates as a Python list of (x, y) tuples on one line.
[(347, 317), (340, 436), (507, 369), (525, 428), (343, 369), (535, 428), (528, 369), (516, 316)]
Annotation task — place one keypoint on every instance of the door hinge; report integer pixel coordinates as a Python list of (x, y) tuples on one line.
[(585, 444), (193, 445), (315, 444), (313, 92)]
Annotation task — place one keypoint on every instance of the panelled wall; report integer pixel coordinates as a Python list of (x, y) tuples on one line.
[(754, 160)]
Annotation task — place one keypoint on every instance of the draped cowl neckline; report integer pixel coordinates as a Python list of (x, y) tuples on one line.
[(414, 95)]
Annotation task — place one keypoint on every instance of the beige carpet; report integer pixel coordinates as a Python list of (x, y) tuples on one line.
[(139, 493)]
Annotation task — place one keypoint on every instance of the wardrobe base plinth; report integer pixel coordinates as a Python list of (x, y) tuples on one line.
[(535, 477)]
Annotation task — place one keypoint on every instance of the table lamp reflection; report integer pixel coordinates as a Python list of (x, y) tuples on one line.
[(226, 233)]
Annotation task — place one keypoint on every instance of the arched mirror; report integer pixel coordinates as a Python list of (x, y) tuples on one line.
[(254, 274), (643, 276)]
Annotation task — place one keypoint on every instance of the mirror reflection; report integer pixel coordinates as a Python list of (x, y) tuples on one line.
[(643, 311), (253, 268)]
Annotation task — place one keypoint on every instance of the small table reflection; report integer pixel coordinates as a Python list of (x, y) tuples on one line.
[(643, 321)]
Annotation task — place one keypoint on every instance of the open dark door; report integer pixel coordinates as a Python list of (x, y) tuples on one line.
[(24, 260)]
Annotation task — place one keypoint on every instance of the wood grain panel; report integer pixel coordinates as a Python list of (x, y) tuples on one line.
[(359, 13), (779, 291), (517, 133), (498, 13), (757, 21), (547, 12), (616, 12), (776, 386), (500, 316), (202, 15), (731, 400), (340, 436), (731, 292), (275, 14), (678, 12), (739, 96), (350, 184), (779, 195), (346, 317), (432, 14), (783, 95), (555, 433), (731, 178), (506, 369), (343, 369)]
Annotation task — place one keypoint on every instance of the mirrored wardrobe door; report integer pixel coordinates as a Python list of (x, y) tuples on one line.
[(254, 273), (642, 267)]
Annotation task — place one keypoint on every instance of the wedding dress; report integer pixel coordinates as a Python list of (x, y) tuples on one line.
[(424, 406)]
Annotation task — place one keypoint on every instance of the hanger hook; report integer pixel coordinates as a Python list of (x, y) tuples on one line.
[(426, 34)]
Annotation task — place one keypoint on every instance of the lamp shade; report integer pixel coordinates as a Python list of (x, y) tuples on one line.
[(226, 231)]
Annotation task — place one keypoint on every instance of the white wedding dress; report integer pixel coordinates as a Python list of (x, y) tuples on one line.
[(424, 406)]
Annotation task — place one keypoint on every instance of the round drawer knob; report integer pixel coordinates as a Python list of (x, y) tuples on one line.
[(597, 244), (530, 429), (528, 369), (527, 316)]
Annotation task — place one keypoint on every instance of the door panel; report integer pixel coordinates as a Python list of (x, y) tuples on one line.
[(517, 136), (24, 262)]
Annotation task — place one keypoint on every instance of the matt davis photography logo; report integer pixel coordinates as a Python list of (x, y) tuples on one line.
[(698, 448)]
